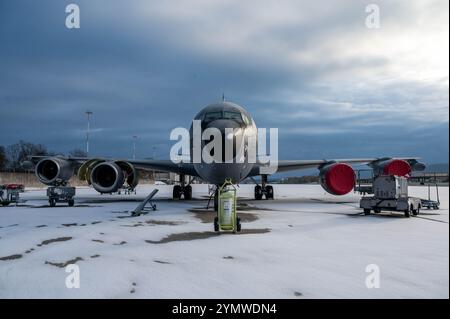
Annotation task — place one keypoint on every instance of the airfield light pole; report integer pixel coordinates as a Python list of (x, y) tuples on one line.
[(135, 137), (89, 114)]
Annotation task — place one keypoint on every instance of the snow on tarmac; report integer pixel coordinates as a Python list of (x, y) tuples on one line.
[(304, 244)]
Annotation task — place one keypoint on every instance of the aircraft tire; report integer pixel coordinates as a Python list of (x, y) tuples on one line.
[(188, 192), (269, 192), (258, 192), (176, 192)]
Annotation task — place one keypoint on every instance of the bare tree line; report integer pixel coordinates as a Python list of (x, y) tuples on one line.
[(11, 156)]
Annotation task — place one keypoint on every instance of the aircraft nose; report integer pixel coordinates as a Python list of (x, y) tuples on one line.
[(228, 128), (231, 132)]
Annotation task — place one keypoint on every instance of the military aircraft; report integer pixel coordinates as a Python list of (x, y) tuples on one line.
[(108, 175)]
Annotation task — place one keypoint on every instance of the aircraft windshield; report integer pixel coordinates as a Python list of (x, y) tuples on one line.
[(226, 115), (233, 116), (212, 116)]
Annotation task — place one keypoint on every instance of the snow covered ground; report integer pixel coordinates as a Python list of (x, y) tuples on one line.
[(304, 244)]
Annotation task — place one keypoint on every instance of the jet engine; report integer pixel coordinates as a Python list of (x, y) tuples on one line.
[(54, 170), (108, 177), (337, 178), (394, 166)]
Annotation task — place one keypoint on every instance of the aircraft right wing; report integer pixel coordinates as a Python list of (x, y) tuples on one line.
[(292, 165)]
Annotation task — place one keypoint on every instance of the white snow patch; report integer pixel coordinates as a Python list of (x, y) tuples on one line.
[(317, 246)]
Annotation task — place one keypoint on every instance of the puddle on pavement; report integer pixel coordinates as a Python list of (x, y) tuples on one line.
[(64, 264), (164, 222), (207, 216), (54, 240), (204, 235), (11, 257)]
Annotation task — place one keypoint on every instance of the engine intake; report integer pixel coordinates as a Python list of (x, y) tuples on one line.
[(108, 177), (337, 178), (54, 170), (395, 167)]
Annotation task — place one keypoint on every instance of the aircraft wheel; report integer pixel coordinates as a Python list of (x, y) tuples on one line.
[(269, 192), (188, 192), (366, 211), (238, 224), (258, 192), (71, 202), (176, 192), (5, 203), (52, 202)]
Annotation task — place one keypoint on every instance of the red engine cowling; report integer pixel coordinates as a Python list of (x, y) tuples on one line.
[(337, 178), (395, 167)]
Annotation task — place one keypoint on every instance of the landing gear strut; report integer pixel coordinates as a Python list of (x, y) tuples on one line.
[(182, 189), (263, 189)]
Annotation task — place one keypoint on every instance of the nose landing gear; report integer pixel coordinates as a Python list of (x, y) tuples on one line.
[(182, 190)]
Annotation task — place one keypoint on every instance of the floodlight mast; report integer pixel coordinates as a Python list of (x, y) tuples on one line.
[(89, 114), (135, 137)]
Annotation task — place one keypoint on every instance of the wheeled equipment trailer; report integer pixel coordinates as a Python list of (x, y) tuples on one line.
[(61, 194), (227, 219), (407, 205), (391, 194), (9, 194), (431, 204)]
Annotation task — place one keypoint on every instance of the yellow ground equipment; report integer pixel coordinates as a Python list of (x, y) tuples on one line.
[(227, 219)]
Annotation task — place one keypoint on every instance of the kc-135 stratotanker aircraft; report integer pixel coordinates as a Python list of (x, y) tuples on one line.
[(108, 175)]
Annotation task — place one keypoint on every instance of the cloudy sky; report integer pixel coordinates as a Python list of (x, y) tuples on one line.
[(332, 86)]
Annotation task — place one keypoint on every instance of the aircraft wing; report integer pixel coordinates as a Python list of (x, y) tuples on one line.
[(292, 165), (157, 165), (165, 166)]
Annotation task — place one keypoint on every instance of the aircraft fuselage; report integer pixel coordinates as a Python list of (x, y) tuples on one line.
[(222, 116)]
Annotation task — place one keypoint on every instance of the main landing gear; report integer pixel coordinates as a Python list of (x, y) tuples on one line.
[(263, 189), (182, 190)]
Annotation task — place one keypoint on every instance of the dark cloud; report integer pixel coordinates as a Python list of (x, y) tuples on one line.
[(145, 67)]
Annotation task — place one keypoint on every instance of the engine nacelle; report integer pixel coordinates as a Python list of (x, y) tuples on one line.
[(393, 166), (108, 177), (131, 174), (337, 178), (54, 171)]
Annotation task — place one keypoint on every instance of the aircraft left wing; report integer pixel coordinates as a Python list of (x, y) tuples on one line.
[(157, 165)]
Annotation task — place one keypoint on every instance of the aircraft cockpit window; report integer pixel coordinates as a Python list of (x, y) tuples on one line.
[(225, 115), (212, 116), (246, 119), (236, 116)]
